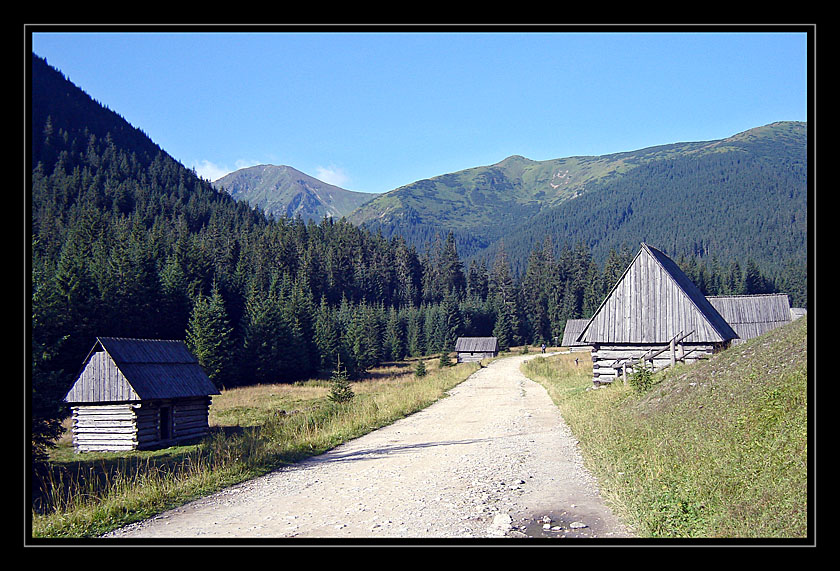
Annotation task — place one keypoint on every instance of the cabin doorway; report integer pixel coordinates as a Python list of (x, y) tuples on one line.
[(165, 422)]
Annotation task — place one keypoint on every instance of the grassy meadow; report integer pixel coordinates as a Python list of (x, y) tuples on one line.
[(253, 430), (717, 449), (712, 450)]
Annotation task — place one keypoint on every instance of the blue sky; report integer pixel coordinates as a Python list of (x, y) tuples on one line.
[(375, 110)]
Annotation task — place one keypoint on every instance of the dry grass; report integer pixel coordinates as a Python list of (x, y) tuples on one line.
[(253, 430)]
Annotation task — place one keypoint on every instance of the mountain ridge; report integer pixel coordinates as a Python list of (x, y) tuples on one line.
[(567, 176), (485, 206), (714, 192), (282, 190)]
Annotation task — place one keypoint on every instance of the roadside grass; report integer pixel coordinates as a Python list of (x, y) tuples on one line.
[(253, 430), (717, 449)]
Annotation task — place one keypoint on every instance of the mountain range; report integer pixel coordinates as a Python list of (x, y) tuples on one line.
[(744, 197), (741, 196)]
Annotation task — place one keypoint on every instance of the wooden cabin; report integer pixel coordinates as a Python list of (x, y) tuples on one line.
[(139, 394), (797, 312), (753, 315), (574, 327), (654, 314), (476, 348)]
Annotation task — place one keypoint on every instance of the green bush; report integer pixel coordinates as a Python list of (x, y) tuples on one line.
[(642, 379)]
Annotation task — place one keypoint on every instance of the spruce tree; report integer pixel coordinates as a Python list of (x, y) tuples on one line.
[(209, 338), (503, 329), (753, 280), (341, 391), (264, 337), (503, 293), (394, 342), (415, 345), (451, 268), (452, 321), (326, 336)]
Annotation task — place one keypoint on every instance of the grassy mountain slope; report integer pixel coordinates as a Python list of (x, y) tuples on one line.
[(714, 188), (742, 197), (285, 191)]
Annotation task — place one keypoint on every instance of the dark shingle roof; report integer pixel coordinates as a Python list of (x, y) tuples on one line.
[(141, 369)]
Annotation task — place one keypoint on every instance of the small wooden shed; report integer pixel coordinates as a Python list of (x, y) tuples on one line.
[(476, 348), (753, 315), (653, 314), (139, 394)]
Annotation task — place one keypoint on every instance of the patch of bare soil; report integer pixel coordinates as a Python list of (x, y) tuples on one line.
[(492, 460)]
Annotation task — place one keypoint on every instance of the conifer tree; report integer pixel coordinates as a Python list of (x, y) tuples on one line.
[(47, 391), (264, 337), (452, 277), (452, 321), (477, 280), (394, 342), (415, 345), (341, 391), (502, 292), (753, 280), (503, 329), (173, 312), (327, 340), (209, 338)]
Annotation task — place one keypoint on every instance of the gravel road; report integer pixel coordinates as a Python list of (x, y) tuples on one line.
[(492, 460)]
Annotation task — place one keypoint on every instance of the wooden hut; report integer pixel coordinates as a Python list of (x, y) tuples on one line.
[(655, 315), (476, 348), (135, 394), (797, 312), (753, 315), (573, 329)]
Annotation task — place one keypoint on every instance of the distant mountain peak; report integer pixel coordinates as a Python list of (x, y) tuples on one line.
[(281, 190)]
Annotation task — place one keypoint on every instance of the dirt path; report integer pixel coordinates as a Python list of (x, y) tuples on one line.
[(491, 460)]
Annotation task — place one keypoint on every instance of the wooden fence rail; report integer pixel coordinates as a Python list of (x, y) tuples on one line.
[(678, 353)]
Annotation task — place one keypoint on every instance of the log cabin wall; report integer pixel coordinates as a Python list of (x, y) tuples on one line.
[(607, 359), (106, 427)]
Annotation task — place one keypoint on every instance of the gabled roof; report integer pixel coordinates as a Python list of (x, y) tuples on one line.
[(476, 344), (653, 302), (573, 329), (139, 369)]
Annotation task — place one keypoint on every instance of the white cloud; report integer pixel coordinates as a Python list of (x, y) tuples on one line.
[(212, 171), (332, 175), (244, 163)]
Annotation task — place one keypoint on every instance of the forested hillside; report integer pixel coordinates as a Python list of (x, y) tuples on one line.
[(127, 242), (741, 200), (733, 205)]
